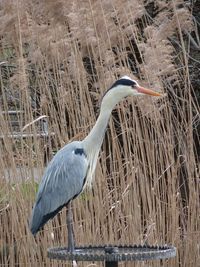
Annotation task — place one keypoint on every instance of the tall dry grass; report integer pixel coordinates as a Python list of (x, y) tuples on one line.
[(59, 58)]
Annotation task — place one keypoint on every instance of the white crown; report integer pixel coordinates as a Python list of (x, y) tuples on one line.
[(126, 77)]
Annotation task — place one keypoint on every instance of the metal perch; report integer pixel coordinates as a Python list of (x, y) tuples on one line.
[(111, 255)]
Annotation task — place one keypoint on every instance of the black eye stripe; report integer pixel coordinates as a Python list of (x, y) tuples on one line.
[(125, 82)]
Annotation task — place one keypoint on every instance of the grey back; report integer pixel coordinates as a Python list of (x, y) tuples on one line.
[(62, 181)]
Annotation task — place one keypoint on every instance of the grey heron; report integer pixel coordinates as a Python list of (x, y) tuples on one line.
[(73, 166)]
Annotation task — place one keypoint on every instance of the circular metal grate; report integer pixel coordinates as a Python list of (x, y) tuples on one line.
[(113, 253)]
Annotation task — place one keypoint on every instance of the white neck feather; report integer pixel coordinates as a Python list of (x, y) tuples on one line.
[(92, 143)]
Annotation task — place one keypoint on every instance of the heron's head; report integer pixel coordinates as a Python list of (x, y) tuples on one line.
[(122, 88)]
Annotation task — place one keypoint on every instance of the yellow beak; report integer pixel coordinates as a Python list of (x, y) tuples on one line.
[(147, 91)]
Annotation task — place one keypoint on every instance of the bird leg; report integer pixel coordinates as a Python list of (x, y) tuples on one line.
[(71, 242)]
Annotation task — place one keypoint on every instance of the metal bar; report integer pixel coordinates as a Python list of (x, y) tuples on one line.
[(12, 112), (111, 264), (110, 255), (24, 135), (110, 250)]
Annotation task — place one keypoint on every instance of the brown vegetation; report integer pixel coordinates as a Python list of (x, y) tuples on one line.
[(57, 58)]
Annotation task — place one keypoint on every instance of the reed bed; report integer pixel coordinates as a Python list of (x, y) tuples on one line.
[(58, 57)]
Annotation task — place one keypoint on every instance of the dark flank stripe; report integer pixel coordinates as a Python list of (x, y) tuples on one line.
[(80, 151), (46, 218)]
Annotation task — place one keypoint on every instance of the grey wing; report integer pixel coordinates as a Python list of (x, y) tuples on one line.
[(62, 181)]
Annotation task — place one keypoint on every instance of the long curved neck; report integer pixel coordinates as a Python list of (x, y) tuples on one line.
[(95, 138), (92, 143)]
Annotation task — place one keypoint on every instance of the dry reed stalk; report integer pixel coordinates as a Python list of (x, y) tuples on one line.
[(65, 54)]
